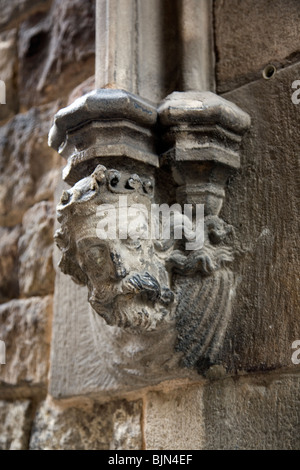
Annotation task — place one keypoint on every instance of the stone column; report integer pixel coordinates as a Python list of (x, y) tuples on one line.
[(196, 28), (154, 47)]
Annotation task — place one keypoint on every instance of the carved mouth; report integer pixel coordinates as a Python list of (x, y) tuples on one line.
[(144, 288), (146, 285), (137, 303), (133, 311)]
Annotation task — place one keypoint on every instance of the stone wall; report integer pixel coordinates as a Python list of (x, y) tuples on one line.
[(47, 60)]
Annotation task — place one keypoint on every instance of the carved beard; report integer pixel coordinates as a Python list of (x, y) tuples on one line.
[(205, 291), (138, 303)]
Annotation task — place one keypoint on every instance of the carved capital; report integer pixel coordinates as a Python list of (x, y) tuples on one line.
[(105, 126)]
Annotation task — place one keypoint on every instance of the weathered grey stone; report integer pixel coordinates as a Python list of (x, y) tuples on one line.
[(197, 45), (253, 413), (56, 51), (110, 125), (127, 427), (174, 420), (89, 426), (244, 413), (82, 89), (25, 329), (202, 108), (90, 357), (136, 29), (128, 276), (8, 67), (154, 47), (36, 271), (9, 285), (101, 104), (245, 345), (14, 425), (262, 204), (251, 34), (202, 127), (29, 169)]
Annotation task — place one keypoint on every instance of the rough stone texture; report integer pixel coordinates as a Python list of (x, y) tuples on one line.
[(56, 51), (91, 427), (25, 329), (9, 284), (83, 88), (139, 49), (28, 167), (174, 420), (14, 11), (251, 413), (250, 34), (126, 425), (262, 203), (8, 66), (111, 122), (90, 357), (36, 271), (14, 425)]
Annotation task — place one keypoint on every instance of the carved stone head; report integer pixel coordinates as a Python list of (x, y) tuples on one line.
[(104, 238)]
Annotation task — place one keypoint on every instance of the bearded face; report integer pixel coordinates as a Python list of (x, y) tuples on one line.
[(124, 288), (106, 245)]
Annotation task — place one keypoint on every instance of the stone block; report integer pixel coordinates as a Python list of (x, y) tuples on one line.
[(174, 420), (242, 413), (90, 426), (14, 425), (260, 413), (250, 34), (25, 329), (28, 167), (56, 51), (14, 11), (36, 271), (9, 284), (262, 204)]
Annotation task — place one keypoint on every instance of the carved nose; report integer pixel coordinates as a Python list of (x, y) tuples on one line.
[(119, 270)]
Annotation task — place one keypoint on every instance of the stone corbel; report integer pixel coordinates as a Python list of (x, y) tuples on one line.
[(122, 152)]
